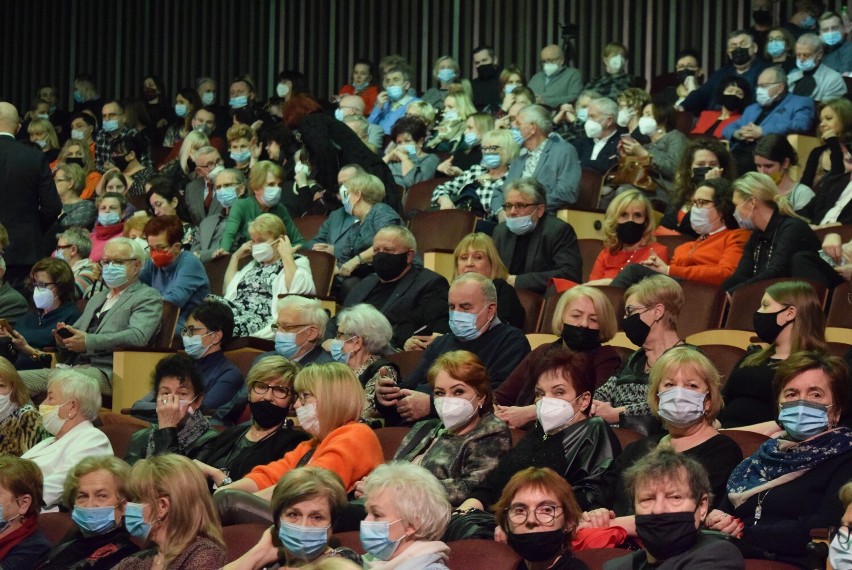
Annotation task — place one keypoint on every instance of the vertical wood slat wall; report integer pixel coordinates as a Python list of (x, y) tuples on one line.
[(120, 41)]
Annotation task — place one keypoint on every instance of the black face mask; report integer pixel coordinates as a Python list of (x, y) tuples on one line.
[(766, 325), (762, 17), (698, 174), (630, 232), (732, 103), (487, 71), (740, 56), (119, 161), (537, 546), (682, 74), (667, 534), (266, 414), (636, 329), (77, 161), (580, 339), (388, 266)]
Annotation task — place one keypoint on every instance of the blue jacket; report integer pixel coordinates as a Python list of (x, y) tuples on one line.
[(794, 114), (334, 230), (183, 282), (704, 98)]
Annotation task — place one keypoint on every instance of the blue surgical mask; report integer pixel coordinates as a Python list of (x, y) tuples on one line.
[(776, 47), (95, 520), (471, 139), (336, 351), (238, 102), (802, 419), (347, 204), (78, 97), (762, 96), (110, 125), (520, 225), (134, 521), (375, 538), (59, 254), (360, 86), (509, 88), (446, 75), (227, 195), (109, 218), (338, 114), (806, 65), (114, 275), (241, 156), (193, 345), (271, 195), (181, 110), (285, 344), (517, 136), (303, 542), (208, 98), (808, 22), (395, 92), (832, 38), (451, 115), (409, 149), (491, 160), (583, 114), (744, 223), (463, 325), (77, 135), (3, 522)]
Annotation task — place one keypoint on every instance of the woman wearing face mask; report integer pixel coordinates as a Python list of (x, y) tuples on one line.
[(187, 101), (243, 147), (166, 200), (303, 195), (181, 427), (774, 156), (449, 135), (275, 269), (651, 310), (95, 492), (628, 237), (779, 49), (615, 79), (20, 426), (499, 150), (790, 484), (733, 94), (78, 152), (70, 180), (172, 512), (72, 404), (180, 168), (684, 393), (538, 515), (306, 503), (583, 319), (777, 231), (43, 135), (445, 71), (631, 101), (840, 549), (53, 295), (564, 438), (470, 153), (21, 543), (407, 160), (264, 183), (362, 84), (835, 124), (790, 319), (407, 514), (363, 333), (112, 208), (126, 156)]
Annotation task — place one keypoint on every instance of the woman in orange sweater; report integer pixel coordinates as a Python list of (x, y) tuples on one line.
[(711, 258)]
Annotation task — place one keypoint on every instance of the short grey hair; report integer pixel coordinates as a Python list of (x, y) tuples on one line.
[(137, 252), (206, 149), (402, 233), (780, 76), (590, 93), (539, 116), (367, 322), (486, 285), (607, 106), (74, 385), (235, 172), (811, 40), (418, 496), (310, 309), (79, 238), (529, 188)]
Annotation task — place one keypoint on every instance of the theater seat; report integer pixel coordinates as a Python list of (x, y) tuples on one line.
[(55, 526), (595, 557), (119, 435), (390, 438), (767, 565), (350, 539), (239, 538), (748, 441), (480, 553)]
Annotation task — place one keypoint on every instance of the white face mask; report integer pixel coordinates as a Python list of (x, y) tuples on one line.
[(624, 116), (647, 125), (454, 412), (50, 418), (615, 63), (261, 252), (840, 553), (593, 128), (7, 406), (550, 68), (307, 416), (553, 413)]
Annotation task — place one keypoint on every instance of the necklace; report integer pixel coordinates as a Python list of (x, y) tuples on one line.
[(758, 512), (632, 255)]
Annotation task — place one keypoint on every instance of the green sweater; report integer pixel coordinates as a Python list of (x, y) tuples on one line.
[(247, 209)]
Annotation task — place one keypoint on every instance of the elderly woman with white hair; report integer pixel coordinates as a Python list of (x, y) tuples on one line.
[(72, 404), (363, 333), (407, 514)]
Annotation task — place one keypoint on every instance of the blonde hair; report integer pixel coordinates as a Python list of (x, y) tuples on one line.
[(193, 141), (659, 289), (191, 511), (607, 321), (479, 241), (240, 132), (464, 104), (19, 395), (271, 368), (422, 109), (340, 397), (267, 224), (88, 160), (40, 126), (367, 186), (761, 187), (483, 122), (693, 361), (442, 59), (503, 139), (259, 172), (619, 205), (118, 468)]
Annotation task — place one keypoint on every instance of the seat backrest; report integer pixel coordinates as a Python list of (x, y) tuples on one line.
[(349, 539), (407, 361), (119, 435), (753, 564), (139, 201), (590, 189), (165, 338), (626, 436), (745, 300), (532, 303), (595, 557), (748, 441), (683, 121), (240, 538), (390, 438), (840, 310), (845, 232), (418, 197), (481, 553), (671, 242), (441, 230), (215, 269), (616, 299), (545, 324), (242, 359), (704, 306), (590, 249), (723, 357), (309, 225), (55, 526), (322, 269)]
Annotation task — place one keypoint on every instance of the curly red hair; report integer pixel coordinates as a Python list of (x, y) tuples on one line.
[(299, 106)]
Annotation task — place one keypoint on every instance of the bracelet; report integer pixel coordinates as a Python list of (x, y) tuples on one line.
[(360, 259)]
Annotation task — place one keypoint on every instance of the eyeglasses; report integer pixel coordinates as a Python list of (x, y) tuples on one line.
[(280, 392), (630, 310), (209, 164), (58, 179), (552, 60), (190, 331), (304, 397), (686, 68), (769, 84), (510, 207), (544, 514), (699, 203), (492, 148), (340, 335), (63, 246), (105, 262), (42, 284), (276, 327)]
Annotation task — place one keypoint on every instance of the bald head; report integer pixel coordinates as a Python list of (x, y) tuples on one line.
[(352, 103), (552, 52), (9, 120)]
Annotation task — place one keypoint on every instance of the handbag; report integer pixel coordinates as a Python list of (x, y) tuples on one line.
[(633, 171)]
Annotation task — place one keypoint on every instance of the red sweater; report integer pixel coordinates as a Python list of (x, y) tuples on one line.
[(711, 260), (607, 265), (706, 120)]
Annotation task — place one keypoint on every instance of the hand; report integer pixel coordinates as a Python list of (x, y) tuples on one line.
[(445, 203), (447, 168), (18, 340), (502, 123), (347, 268), (74, 343), (243, 251), (390, 153), (725, 523), (566, 114), (254, 148), (413, 406), (500, 535), (382, 98), (169, 412), (845, 271), (326, 247), (632, 147), (419, 342), (511, 280), (515, 416), (285, 249), (691, 83), (656, 264), (715, 172), (606, 411), (319, 195), (359, 489), (598, 518), (401, 155), (387, 392), (508, 101), (220, 253), (833, 246), (217, 475)]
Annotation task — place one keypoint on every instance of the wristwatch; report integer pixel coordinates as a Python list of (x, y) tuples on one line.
[(226, 481)]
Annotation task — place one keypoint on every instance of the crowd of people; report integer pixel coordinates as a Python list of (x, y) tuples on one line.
[(116, 210)]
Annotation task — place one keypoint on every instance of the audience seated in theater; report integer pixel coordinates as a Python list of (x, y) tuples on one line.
[(12, 304), (812, 78), (801, 471), (835, 125), (193, 172), (114, 181), (789, 319), (74, 246), (362, 84), (394, 98), (522, 96), (511, 78), (126, 314), (712, 257), (78, 152), (474, 327), (487, 91), (21, 541), (52, 284), (86, 96), (778, 233), (651, 310), (449, 134), (371, 135), (412, 298), (405, 156), (838, 50), (166, 200), (243, 102), (831, 205), (177, 275), (669, 486), (470, 153), (83, 126), (557, 83), (72, 404), (583, 319), (227, 187), (444, 72), (688, 72), (43, 136), (628, 230), (156, 106), (70, 182), (615, 78), (780, 48), (20, 428), (597, 147), (242, 141), (570, 120), (180, 164), (733, 94), (545, 157), (184, 531), (187, 102), (534, 244), (333, 235), (303, 195), (100, 540), (631, 101), (114, 129), (774, 156), (475, 189), (838, 551), (299, 328)]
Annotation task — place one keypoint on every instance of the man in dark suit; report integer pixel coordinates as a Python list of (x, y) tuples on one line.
[(412, 298), (200, 193), (29, 203), (533, 244), (598, 149)]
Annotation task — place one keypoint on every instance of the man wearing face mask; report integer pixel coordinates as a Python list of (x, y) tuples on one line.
[(200, 193), (534, 244), (487, 91), (243, 99), (228, 186), (745, 63), (392, 103), (334, 233), (598, 149), (411, 297), (113, 130), (354, 105), (475, 327), (178, 275), (838, 52), (126, 313), (556, 84), (811, 78)]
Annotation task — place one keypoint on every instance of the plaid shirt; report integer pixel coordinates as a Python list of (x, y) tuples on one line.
[(104, 144), (486, 187)]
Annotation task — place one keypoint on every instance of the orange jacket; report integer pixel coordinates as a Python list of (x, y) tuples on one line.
[(607, 264), (710, 260)]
